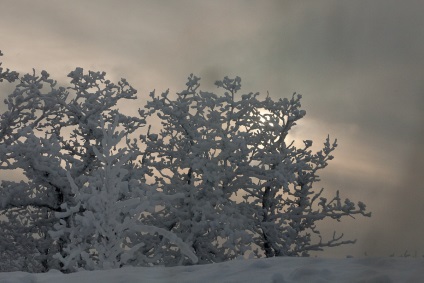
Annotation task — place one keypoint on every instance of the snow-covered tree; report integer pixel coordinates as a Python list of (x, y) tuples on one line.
[(220, 179), (281, 193), (221, 149), (44, 129), (105, 227), (195, 154)]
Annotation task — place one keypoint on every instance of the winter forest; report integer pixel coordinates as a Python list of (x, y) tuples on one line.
[(195, 178)]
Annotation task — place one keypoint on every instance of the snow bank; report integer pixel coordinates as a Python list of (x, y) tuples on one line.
[(273, 270)]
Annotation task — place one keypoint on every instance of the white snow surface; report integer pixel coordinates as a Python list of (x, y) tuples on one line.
[(272, 270)]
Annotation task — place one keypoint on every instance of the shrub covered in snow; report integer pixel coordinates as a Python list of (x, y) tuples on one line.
[(220, 178)]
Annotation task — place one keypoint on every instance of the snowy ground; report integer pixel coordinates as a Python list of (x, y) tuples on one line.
[(275, 270)]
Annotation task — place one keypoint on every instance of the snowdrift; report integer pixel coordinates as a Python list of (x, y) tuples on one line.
[(273, 270)]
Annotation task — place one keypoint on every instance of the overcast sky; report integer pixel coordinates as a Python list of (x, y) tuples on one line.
[(358, 64)]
